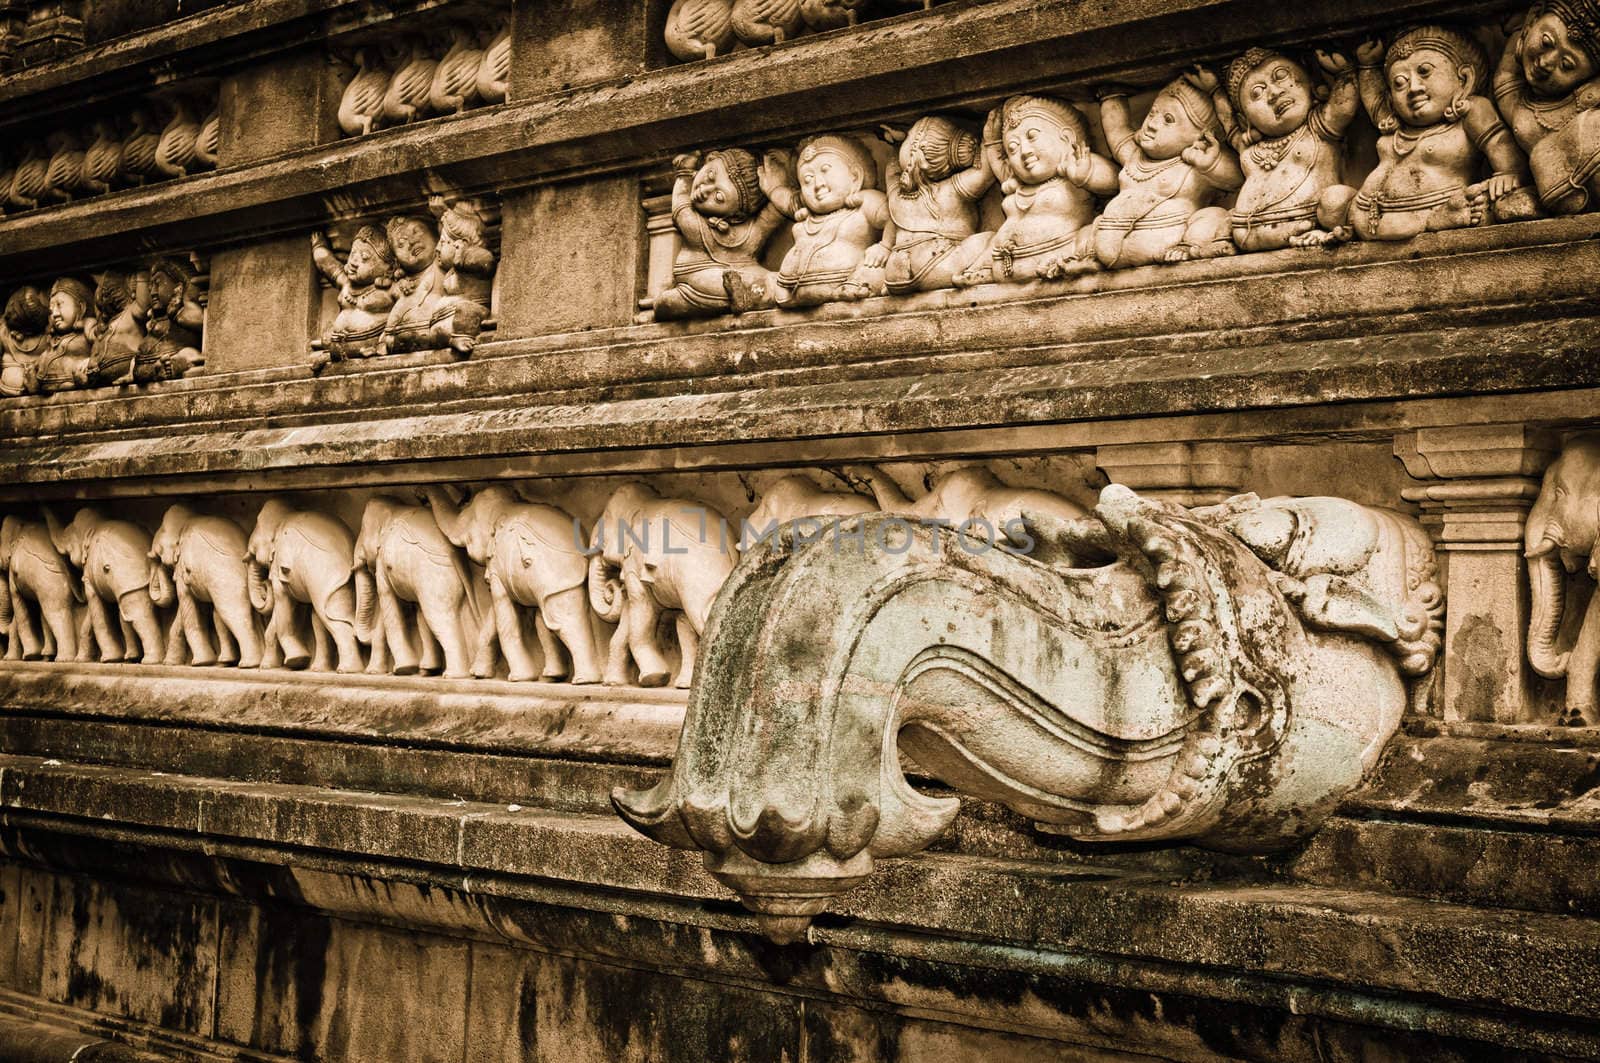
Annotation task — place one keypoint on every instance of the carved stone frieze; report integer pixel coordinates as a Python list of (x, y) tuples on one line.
[(705, 29), (443, 70), (1224, 679)]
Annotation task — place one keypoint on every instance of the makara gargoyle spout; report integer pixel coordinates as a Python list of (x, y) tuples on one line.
[(1224, 679)]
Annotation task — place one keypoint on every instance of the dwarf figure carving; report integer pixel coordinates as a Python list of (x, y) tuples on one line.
[(1050, 178), (62, 364), (1435, 130), (24, 338), (467, 276), (724, 221), (417, 281), (365, 298), (1548, 89), (122, 302), (174, 325), (838, 214), (1291, 148), (1173, 168)]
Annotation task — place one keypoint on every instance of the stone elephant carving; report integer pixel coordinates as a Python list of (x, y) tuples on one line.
[(35, 572), (201, 564), (114, 557), (1560, 538), (650, 555), (402, 556), (974, 499), (796, 497), (1203, 685), (533, 557), (299, 560)]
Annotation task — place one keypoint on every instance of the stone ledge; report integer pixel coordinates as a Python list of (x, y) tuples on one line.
[(939, 58), (1524, 964)]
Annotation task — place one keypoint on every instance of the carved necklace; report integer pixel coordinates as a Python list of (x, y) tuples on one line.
[(1267, 154), (1141, 169), (1405, 143)]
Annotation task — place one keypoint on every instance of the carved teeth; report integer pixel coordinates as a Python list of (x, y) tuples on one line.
[(1210, 746), (1168, 574), (1170, 802), (1161, 550), (1184, 787)]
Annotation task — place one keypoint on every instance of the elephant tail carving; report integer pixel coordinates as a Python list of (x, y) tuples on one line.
[(161, 589), (260, 592), (605, 590)]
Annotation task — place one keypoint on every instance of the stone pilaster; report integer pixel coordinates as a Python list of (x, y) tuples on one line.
[(1480, 482), (265, 305), (1190, 474), (555, 47)]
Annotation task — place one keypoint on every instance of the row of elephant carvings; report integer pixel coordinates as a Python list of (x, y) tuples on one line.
[(136, 325), (1251, 159), (112, 152)]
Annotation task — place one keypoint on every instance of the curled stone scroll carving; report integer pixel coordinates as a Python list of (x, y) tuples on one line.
[(1225, 680)]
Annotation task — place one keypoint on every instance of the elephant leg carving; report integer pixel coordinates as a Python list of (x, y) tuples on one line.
[(567, 614), (60, 631), (271, 649), (348, 646), (131, 647), (321, 645), (286, 618), (88, 636), (241, 625), (689, 647), (618, 656), (227, 647), (109, 643), (1580, 708), (25, 644), (177, 639), (139, 614), (431, 662), (194, 628), (394, 627), (555, 664), (513, 642), (640, 618)]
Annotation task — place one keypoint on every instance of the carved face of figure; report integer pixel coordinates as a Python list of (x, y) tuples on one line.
[(65, 313), (1036, 147), (1553, 64), (1167, 129), (1276, 97), (827, 179), (414, 245), (1423, 84), (713, 192), (163, 287), (449, 249), (363, 266)]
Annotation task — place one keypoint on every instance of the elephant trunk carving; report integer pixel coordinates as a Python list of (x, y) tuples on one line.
[(366, 619), (605, 582), (1563, 527), (6, 611), (260, 586), (1196, 687), (161, 589), (1548, 582)]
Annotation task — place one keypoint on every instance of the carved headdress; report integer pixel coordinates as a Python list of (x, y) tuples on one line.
[(1460, 47), (462, 222), (851, 150), (27, 311), (741, 167), (1240, 69), (1197, 105), (77, 291), (945, 147), (1058, 112), (377, 242), (1582, 19)]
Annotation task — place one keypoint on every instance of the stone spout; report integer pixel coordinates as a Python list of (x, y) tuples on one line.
[(1172, 694)]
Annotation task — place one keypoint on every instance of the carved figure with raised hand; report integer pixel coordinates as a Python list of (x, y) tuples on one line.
[(406, 97), (650, 555), (200, 563), (759, 22), (418, 279), (838, 214), (174, 324), (300, 559), (122, 305), (796, 497), (361, 105), (35, 572), (1224, 679), (1290, 145), (974, 501), (1562, 530), (935, 183), (114, 557), (63, 362), (466, 280), (401, 556), (1050, 177), (699, 29), (724, 221), (1548, 89), (1174, 166), (24, 338), (363, 281), (494, 69), (1435, 130), (533, 558)]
